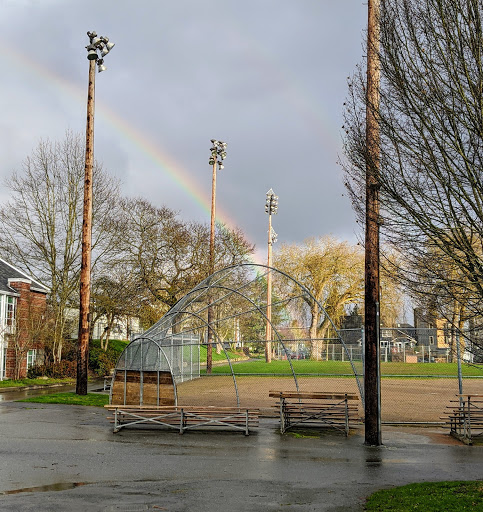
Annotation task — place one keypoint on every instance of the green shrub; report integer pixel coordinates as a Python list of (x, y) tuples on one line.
[(100, 362)]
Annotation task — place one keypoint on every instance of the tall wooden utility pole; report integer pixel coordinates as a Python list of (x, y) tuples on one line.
[(98, 48), (218, 154), (372, 391), (209, 346), (268, 332), (85, 276), (271, 207)]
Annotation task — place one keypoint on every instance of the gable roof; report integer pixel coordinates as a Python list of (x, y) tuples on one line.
[(8, 271)]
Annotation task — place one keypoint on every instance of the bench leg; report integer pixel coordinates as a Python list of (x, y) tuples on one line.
[(346, 418), (116, 429), (284, 419), (181, 423)]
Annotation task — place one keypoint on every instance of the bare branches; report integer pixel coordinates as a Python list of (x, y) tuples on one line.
[(40, 226), (431, 119)]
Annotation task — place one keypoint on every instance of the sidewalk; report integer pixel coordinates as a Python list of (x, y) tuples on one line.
[(75, 462)]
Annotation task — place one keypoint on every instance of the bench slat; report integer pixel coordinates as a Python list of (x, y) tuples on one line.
[(313, 395)]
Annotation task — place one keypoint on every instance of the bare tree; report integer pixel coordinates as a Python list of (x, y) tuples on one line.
[(431, 122), (168, 256), (40, 226), (115, 297)]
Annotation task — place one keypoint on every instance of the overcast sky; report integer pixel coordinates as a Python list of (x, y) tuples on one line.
[(268, 77)]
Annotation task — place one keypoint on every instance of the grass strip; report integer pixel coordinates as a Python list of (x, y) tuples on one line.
[(308, 366), (221, 356), (91, 399), (33, 382), (429, 497)]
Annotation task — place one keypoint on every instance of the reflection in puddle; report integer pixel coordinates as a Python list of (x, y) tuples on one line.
[(46, 488), (373, 461)]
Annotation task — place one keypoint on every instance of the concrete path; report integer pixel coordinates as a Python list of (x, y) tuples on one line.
[(66, 458)]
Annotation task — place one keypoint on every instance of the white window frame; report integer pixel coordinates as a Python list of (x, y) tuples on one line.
[(31, 358)]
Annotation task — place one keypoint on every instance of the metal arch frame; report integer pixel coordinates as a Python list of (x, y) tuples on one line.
[(305, 290), (257, 308), (207, 284), (226, 353), (160, 348)]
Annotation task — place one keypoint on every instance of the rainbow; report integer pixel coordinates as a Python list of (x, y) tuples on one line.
[(161, 158), (310, 108), (155, 153)]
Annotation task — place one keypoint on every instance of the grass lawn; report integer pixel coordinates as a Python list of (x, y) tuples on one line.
[(92, 399), (429, 497), (219, 357), (33, 382), (307, 366)]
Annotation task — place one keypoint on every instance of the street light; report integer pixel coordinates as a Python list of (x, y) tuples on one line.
[(218, 154), (271, 207), (97, 49)]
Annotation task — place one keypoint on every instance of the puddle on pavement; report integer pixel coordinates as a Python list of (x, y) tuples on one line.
[(65, 486), (12, 396)]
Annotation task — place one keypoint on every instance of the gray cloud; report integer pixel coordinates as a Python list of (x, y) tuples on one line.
[(267, 76)]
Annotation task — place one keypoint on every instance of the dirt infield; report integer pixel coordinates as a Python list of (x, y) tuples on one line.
[(402, 400)]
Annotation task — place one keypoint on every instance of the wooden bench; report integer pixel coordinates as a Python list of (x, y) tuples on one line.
[(184, 418), (466, 418), (316, 409)]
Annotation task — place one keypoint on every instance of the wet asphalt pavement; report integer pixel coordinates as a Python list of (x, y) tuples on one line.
[(66, 458)]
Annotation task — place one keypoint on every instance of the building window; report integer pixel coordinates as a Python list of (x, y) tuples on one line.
[(3, 372), (31, 358), (11, 309)]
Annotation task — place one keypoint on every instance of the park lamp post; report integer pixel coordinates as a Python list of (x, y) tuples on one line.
[(97, 49), (218, 154), (271, 207)]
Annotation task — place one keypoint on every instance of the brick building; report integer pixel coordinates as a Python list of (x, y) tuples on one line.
[(22, 319)]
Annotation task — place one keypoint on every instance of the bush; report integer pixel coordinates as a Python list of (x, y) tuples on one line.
[(100, 362), (60, 370)]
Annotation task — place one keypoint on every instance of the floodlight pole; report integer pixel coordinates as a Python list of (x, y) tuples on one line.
[(218, 154), (271, 206), (372, 378), (96, 45)]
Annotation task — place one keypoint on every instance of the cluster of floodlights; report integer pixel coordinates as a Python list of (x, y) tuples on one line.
[(98, 48), (271, 204), (218, 153)]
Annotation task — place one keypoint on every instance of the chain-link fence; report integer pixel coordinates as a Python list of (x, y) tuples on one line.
[(417, 382)]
